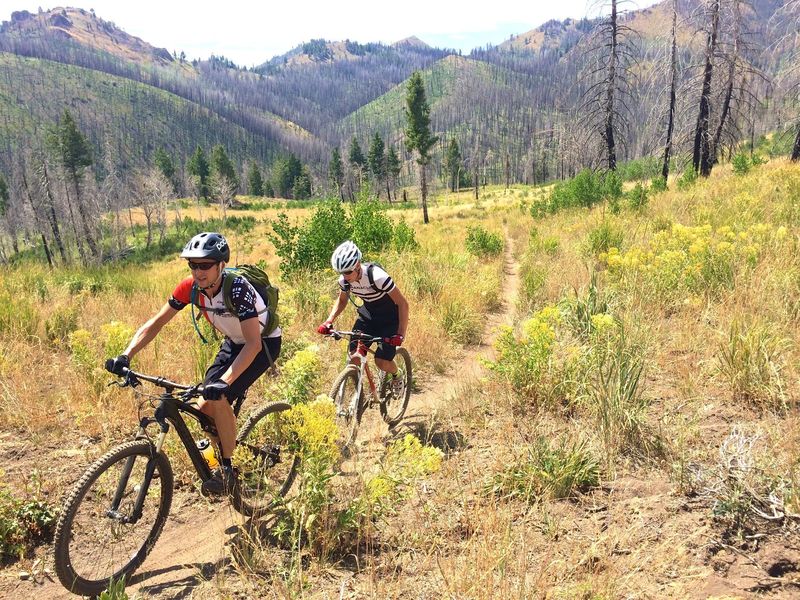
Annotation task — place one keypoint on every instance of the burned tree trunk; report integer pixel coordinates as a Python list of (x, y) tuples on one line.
[(701, 155), (673, 64)]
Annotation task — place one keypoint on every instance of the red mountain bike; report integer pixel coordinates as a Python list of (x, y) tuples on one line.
[(356, 387)]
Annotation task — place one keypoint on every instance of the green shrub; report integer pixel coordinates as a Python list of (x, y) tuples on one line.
[(61, 323), (548, 472), (525, 362), (751, 361), (372, 229), (404, 237), (612, 186), (741, 163), (483, 243), (23, 524), (687, 179), (309, 246), (603, 237), (637, 197), (461, 322), (658, 184)]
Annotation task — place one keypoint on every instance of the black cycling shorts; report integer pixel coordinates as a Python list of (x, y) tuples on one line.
[(377, 328), (228, 352)]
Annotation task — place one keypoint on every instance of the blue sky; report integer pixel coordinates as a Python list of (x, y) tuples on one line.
[(249, 33)]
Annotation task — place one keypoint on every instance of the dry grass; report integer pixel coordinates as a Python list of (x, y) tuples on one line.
[(644, 532)]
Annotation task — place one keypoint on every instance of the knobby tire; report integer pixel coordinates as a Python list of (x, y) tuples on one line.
[(91, 548), (267, 458), (348, 410), (392, 408)]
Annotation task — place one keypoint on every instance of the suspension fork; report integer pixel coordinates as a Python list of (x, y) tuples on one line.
[(149, 471)]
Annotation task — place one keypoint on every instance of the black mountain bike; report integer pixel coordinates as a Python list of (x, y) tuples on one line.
[(114, 514), (356, 388)]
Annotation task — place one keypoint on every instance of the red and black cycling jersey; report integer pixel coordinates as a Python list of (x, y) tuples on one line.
[(245, 299)]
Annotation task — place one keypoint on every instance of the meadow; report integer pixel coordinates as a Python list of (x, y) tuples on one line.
[(628, 431)]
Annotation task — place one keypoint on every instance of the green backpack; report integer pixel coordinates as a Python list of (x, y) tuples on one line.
[(259, 280)]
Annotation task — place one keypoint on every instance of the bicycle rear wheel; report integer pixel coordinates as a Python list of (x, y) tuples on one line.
[(267, 459), (96, 542), (349, 405), (394, 398)]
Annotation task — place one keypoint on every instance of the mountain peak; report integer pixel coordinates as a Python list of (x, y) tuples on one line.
[(83, 27), (411, 41)]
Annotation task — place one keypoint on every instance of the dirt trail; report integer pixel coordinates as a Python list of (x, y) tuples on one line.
[(192, 548), (435, 390), (438, 388)]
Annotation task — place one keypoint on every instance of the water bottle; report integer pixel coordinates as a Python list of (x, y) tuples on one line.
[(207, 450)]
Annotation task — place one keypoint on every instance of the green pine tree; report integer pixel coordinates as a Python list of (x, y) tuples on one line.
[(418, 132), (393, 166), (452, 164), (4, 196), (356, 159), (336, 171), (163, 162), (74, 154), (222, 166), (199, 170), (376, 159), (255, 183)]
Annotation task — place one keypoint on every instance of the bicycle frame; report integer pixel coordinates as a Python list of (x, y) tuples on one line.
[(361, 355), (167, 412)]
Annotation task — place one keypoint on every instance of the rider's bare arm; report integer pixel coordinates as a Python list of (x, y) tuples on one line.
[(402, 309), (150, 330)]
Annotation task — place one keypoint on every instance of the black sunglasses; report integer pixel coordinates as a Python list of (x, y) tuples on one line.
[(201, 266)]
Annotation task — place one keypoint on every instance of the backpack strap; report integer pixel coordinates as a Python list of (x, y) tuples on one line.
[(371, 277), (195, 303)]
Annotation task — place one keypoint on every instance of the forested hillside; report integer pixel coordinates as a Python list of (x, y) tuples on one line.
[(678, 84)]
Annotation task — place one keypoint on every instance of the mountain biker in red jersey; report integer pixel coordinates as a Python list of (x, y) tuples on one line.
[(244, 354)]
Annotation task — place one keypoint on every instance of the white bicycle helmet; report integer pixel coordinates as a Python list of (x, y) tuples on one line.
[(345, 257)]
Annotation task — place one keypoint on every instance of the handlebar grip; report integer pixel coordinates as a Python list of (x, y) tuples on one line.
[(109, 365)]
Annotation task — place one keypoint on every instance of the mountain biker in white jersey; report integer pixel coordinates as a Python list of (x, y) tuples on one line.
[(384, 312)]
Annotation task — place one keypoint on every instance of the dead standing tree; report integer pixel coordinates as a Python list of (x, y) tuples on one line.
[(786, 24), (608, 75), (737, 99), (701, 154)]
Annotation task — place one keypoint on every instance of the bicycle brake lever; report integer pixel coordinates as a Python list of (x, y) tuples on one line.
[(336, 336), (132, 380)]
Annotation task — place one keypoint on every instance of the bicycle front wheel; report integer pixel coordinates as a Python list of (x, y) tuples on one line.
[(349, 405), (99, 538), (395, 397), (267, 458)]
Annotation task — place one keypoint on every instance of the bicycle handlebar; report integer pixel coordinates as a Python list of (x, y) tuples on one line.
[(355, 335), (132, 378)]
